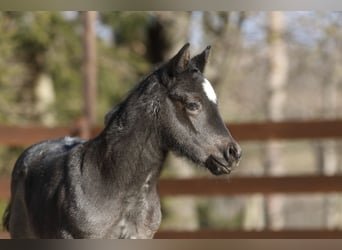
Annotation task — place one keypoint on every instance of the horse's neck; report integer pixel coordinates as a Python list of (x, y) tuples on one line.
[(127, 158)]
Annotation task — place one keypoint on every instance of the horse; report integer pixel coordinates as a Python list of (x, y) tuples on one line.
[(106, 187)]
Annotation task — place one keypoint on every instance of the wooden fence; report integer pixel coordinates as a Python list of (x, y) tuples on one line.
[(253, 131), (23, 136)]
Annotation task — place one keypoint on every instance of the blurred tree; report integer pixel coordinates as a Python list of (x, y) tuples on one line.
[(327, 160), (223, 32), (10, 68), (167, 32), (43, 44), (89, 72), (121, 61), (128, 29), (275, 108)]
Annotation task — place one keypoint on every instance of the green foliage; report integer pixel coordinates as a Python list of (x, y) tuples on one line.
[(128, 27), (119, 70), (10, 68), (46, 42), (38, 42)]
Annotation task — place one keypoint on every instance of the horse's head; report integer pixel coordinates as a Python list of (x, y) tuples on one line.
[(192, 125)]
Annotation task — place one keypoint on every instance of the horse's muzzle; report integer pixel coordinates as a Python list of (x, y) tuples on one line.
[(225, 164)]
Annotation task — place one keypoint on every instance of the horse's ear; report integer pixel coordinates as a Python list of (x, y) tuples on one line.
[(201, 59), (180, 61)]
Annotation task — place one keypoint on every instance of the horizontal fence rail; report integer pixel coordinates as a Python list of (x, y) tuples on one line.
[(235, 186), (262, 234), (250, 185), (27, 135), (241, 234), (313, 129)]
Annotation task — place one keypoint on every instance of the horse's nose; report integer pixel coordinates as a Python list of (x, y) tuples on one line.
[(233, 152)]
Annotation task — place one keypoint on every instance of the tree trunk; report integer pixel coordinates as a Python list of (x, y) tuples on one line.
[(45, 97), (326, 150), (89, 71), (167, 33), (276, 86)]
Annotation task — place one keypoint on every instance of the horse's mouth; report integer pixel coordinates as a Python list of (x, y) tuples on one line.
[(217, 167)]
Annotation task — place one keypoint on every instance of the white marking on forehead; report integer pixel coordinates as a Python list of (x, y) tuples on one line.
[(209, 91)]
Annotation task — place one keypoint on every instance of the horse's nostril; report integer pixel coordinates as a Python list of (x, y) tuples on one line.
[(235, 151), (232, 153)]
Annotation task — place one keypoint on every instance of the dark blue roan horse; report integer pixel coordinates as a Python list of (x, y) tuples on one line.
[(106, 187)]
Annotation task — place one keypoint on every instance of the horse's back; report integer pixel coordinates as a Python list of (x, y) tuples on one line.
[(39, 157), (43, 151), (37, 172)]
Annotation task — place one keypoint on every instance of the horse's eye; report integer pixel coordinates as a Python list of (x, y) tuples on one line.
[(192, 106), (195, 70)]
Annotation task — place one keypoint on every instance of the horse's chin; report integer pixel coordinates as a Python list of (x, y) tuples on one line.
[(216, 167)]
